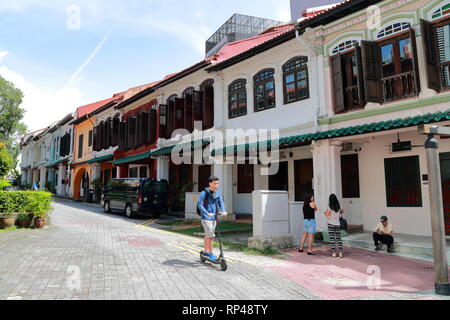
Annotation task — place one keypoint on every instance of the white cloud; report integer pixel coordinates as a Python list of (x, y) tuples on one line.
[(43, 106), (3, 54)]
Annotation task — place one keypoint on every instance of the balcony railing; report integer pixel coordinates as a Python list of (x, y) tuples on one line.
[(399, 86)]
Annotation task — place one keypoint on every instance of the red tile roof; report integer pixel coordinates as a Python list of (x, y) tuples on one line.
[(89, 108), (235, 48)]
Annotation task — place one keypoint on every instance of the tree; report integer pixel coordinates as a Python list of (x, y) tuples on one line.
[(10, 111), (6, 161), (11, 127)]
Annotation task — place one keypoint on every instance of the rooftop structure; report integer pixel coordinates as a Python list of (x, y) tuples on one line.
[(238, 27)]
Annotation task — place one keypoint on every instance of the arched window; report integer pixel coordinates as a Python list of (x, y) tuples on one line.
[(296, 82), (345, 46), (393, 29), (441, 12), (264, 90), (237, 98)]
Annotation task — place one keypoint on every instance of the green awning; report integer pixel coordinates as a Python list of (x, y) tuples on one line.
[(166, 151), (101, 159), (349, 131), (139, 157)]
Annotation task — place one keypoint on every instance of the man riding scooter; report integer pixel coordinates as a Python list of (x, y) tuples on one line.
[(210, 205)]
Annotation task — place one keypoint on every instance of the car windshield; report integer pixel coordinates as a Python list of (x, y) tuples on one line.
[(154, 186), (131, 185)]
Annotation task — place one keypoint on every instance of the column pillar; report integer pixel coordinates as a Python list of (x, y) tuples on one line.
[(42, 179), (96, 171), (327, 176), (162, 169)]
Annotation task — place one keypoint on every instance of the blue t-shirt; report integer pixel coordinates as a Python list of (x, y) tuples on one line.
[(209, 202)]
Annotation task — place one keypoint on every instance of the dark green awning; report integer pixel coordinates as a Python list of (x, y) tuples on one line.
[(139, 157), (166, 151), (349, 131), (101, 159), (162, 152)]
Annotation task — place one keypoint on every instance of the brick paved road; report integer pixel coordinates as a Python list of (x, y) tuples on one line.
[(118, 258)]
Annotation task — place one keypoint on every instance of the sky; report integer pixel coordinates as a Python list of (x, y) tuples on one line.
[(64, 54)]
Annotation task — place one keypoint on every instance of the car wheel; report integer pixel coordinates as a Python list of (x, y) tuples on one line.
[(107, 207), (129, 211)]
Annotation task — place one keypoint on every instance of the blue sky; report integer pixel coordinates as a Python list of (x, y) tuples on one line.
[(64, 54)]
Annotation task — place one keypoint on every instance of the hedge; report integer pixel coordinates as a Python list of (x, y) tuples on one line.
[(35, 202)]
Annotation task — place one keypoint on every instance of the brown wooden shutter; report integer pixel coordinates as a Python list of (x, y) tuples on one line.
[(361, 95), (108, 134), (137, 137), (122, 135), (429, 41), (208, 107), (171, 117), (115, 132), (152, 126), (188, 112), (163, 121), (144, 128), (338, 84), (371, 62), (412, 33)]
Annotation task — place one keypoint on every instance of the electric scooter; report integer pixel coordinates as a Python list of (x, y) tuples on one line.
[(221, 261)]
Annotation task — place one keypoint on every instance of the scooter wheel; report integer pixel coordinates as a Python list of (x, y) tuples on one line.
[(224, 265), (202, 258)]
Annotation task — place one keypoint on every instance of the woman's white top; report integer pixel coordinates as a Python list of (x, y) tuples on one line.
[(335, 218)]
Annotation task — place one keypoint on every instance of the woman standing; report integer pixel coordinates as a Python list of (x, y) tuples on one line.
[(309, 212), (333, 214)]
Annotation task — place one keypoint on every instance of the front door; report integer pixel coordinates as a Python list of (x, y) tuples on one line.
[(280, 181), (304, 174), (445, 172), (204, 173)]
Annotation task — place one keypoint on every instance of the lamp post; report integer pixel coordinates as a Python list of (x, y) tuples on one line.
[(436, 206)]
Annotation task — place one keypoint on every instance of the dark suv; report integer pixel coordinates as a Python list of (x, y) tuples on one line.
[(146, 197)]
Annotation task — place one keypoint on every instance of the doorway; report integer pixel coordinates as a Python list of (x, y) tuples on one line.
[(204, 173), (280, 181), (304, 174), (445, 172)]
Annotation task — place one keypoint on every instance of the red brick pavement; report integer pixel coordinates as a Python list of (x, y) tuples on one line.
[(348, 278)]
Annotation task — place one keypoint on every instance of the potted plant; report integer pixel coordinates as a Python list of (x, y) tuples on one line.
[(24, 220), (7, 220), (40, 205)]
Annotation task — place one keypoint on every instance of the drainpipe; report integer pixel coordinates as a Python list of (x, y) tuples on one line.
[(316, 60)]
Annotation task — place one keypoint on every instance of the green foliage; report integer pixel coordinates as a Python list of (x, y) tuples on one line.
[(37, 203), (98, 186), (10, 111), (6, 161), (4, 183), (11, 127)]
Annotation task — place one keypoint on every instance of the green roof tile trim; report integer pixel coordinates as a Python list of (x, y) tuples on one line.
[(350, 131), (161, 152), (101, 159), (135, 158), (165, 151)]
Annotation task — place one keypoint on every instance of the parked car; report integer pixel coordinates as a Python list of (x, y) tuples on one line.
[(137, 196)]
